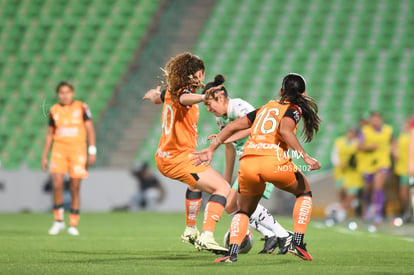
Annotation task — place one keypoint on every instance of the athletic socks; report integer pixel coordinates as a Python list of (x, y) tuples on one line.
[(192, 207), (238, 228), (73, 217), (254, 225), (301, 215), (378, 201), (213, 211), (298, 237), (263, 221), (58, 212)]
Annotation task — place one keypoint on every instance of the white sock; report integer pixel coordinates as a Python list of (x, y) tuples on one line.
[(253, 225), (263, 217)]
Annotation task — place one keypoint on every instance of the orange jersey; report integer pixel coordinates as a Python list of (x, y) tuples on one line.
[(265, 138), (69, 123), (179, 129)]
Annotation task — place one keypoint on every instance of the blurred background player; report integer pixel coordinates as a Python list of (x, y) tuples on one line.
[(70, 123), (150, 193), (338, 171), (400, 154), (184, 75), (226, 110), (344, 157), (411, 162), (375, 145), (265, 159)]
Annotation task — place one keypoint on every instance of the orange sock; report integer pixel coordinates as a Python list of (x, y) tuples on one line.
[(302, 212), (192, 207), (73, 217), (238, 228), (58, 212), (213, 211)]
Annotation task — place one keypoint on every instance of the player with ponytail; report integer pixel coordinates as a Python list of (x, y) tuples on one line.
[(226, 110), (266, 159)]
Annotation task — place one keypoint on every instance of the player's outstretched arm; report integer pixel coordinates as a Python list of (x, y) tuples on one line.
[(154, 95), (239, 135), (287, 126), (191, 99), (205, 156)]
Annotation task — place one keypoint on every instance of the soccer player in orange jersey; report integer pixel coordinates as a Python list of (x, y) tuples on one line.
[(70, 123), (184, 75), (226, 110), (266, 159)]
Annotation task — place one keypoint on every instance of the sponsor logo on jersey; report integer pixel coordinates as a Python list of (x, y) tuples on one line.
[(67, 131), (76, 113), (162, 154)]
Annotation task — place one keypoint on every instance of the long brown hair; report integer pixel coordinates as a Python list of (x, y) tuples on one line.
[(179, 73), (293, 87)]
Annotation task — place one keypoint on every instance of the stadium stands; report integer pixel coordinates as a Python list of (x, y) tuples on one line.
[(356, 55), (45, 41)]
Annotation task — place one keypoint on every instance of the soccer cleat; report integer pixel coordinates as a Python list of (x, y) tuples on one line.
[(270, 245), (207, 242), (56, 228), (73, 231), (284, 244), (190, 235), (227, 259), (300, 251)]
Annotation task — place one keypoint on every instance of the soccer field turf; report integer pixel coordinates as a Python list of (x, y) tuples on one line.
[(149, 243)]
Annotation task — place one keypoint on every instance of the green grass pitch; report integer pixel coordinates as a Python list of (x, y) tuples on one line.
[(149, 243)]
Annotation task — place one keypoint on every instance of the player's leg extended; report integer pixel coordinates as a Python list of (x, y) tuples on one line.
[(213, 183), (251, 188), (75, 184), (58, 210), (301, 214), (275, 235), (192, 207), (239, 226)]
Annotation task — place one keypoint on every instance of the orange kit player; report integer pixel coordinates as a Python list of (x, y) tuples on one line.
[(70, 122), (266, 159), (184, 75)]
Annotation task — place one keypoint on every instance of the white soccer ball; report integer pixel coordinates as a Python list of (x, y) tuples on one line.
[(397, 222), (246, 244)]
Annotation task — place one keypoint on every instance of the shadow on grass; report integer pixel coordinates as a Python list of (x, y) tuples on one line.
[(101, 256), (203, 259)]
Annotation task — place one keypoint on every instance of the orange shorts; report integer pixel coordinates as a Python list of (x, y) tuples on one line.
[(180, 169), (69, 158), (256, 170)]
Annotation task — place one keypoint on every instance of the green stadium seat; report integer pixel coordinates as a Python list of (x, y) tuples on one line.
[(46, 41), (347, 57)]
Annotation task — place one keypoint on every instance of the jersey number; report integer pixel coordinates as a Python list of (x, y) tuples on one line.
[(267, 121), (167, 124)]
